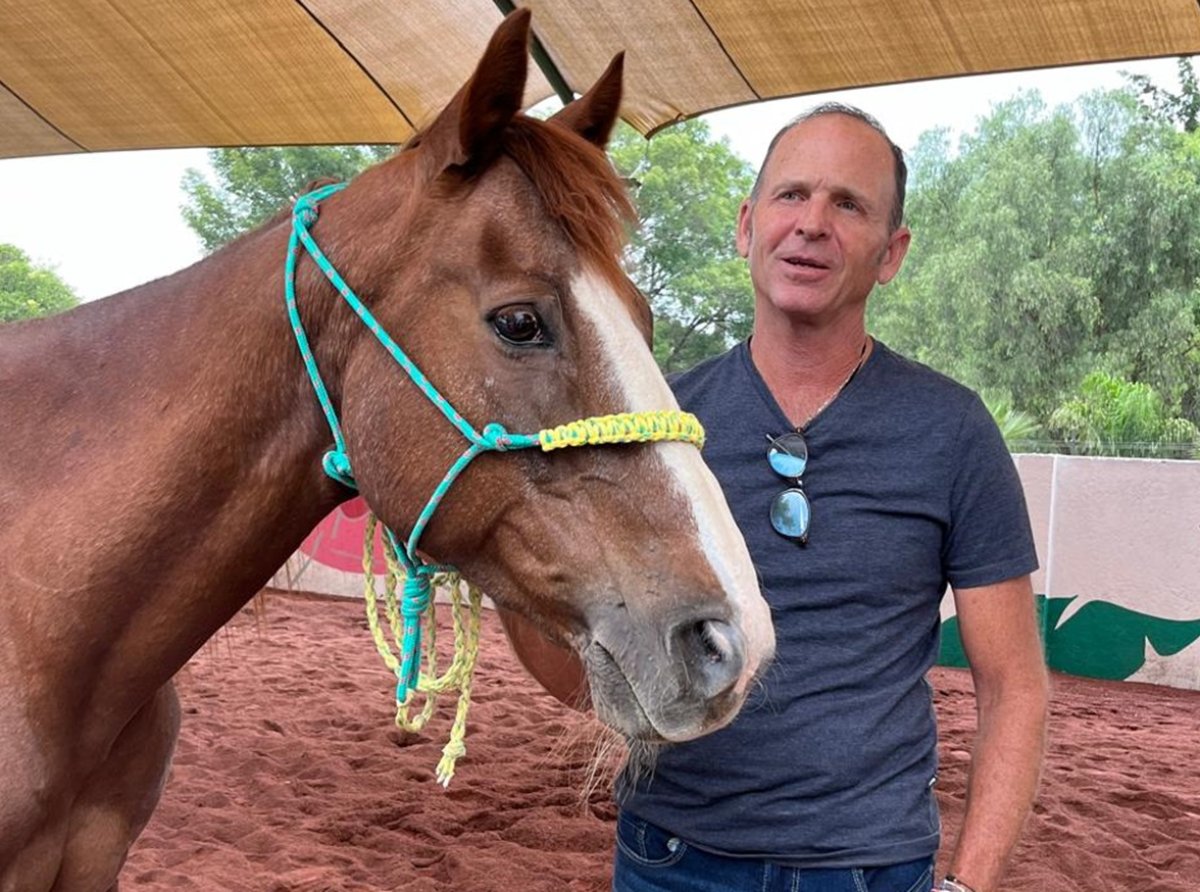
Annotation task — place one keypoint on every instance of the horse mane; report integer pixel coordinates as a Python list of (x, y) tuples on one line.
[(578, 185)]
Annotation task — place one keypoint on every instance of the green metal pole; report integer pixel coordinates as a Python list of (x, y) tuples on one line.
[(544, 62)]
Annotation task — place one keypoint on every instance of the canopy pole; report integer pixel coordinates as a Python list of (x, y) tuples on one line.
[(544, 62)]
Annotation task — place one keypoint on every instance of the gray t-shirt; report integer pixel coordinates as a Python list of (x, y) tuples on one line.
[(831, 763)]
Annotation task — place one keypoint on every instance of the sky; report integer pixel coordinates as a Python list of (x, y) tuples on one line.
[(109, 221)]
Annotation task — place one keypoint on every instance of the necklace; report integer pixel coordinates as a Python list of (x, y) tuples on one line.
[(862, 356)]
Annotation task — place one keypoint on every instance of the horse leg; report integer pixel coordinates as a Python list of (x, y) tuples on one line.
[(115, 805)]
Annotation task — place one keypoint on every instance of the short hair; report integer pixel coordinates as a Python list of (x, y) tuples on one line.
[(896, 218)]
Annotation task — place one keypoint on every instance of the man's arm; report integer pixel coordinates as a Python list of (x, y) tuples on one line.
[(998, 624)]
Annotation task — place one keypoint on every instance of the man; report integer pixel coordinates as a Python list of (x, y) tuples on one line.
[(864, 483)]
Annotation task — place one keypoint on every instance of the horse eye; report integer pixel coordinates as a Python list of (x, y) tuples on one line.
[(519, 325)]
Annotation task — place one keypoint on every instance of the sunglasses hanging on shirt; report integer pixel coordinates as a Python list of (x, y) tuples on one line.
[(791, 512)]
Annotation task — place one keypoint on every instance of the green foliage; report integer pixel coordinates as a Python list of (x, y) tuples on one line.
[(1182, 108), (1112, 416), (1019, 429), (1055, 243), (687, 188), (995, 288), (28, 291), (253, 184)]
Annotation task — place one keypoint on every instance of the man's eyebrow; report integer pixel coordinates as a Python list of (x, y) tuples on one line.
[(859, 198), (851, 192), (792, 185), (838, 192)]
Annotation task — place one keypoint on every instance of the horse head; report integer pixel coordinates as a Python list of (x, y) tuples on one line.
[(489, 247)]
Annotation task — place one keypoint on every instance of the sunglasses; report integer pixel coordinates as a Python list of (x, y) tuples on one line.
[(790, 511)]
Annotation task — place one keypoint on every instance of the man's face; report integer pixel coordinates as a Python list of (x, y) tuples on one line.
[(817, 237)]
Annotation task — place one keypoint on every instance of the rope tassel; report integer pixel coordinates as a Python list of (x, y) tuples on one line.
[(412, 621)]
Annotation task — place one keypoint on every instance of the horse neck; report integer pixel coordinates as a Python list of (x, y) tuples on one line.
[(182, 465)]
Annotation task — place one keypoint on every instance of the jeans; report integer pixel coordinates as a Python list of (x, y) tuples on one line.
[(649, 859)]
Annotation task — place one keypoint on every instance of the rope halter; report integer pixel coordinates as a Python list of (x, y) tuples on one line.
[(636, 427)]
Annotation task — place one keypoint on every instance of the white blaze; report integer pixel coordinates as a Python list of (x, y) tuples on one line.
[(637, 380)]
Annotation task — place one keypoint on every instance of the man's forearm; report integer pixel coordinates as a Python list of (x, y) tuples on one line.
[(1005, 766)]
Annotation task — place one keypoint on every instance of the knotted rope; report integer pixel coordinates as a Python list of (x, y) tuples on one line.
[(413, 611), (416, 612)]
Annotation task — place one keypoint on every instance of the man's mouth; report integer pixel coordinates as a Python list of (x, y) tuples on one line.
[(805, 262)]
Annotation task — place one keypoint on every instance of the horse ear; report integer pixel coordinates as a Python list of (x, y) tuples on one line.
[(594, 113), (468, 130)]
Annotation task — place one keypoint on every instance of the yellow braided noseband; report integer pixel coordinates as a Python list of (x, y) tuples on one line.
[(628, 427)]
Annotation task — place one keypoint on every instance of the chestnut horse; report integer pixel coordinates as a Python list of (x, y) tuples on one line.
[(163, 457)]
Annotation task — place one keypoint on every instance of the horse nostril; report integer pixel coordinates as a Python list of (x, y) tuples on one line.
[(714, 653), (713, 641)]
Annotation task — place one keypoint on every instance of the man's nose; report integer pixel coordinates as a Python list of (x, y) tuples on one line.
[(812, 218)]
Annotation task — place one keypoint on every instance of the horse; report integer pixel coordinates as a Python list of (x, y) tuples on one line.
[(166, 453)]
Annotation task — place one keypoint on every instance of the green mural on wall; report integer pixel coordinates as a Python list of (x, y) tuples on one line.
[(1101, 640)]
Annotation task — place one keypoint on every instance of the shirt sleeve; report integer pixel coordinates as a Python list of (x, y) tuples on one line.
[(989, 539)]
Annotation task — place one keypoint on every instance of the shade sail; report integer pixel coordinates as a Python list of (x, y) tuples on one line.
[(97, 75)]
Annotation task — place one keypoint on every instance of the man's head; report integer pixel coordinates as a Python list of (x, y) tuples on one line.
[(896, 218), (823, 224)]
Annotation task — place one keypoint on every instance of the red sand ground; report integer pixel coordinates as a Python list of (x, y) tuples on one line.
[(290, 777)]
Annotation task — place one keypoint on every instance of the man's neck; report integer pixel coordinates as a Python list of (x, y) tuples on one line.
[(805, 367)]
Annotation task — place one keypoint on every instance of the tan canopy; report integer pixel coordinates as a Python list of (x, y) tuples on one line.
[(95, 75)]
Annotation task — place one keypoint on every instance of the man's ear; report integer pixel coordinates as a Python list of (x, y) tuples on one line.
[(745, 227), (893, 255)]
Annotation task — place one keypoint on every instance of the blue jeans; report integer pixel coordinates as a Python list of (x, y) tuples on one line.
[(649, 859)]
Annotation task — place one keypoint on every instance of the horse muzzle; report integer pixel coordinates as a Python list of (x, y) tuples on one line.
[(676, 685)]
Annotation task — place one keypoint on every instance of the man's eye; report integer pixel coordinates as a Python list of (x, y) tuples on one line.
[(519, 325)]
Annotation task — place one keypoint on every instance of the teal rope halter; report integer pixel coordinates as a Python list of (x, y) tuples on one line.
[(627, 428)]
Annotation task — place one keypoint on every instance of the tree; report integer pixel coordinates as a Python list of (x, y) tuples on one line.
[(1113, 416), (995, 290), (1019, 429), (1182, 108), (253, 184), (687, 188), (1051, 244), (28, 290)]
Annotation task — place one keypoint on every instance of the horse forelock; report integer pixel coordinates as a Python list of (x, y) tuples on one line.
[(573, 180), (578, 187)]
